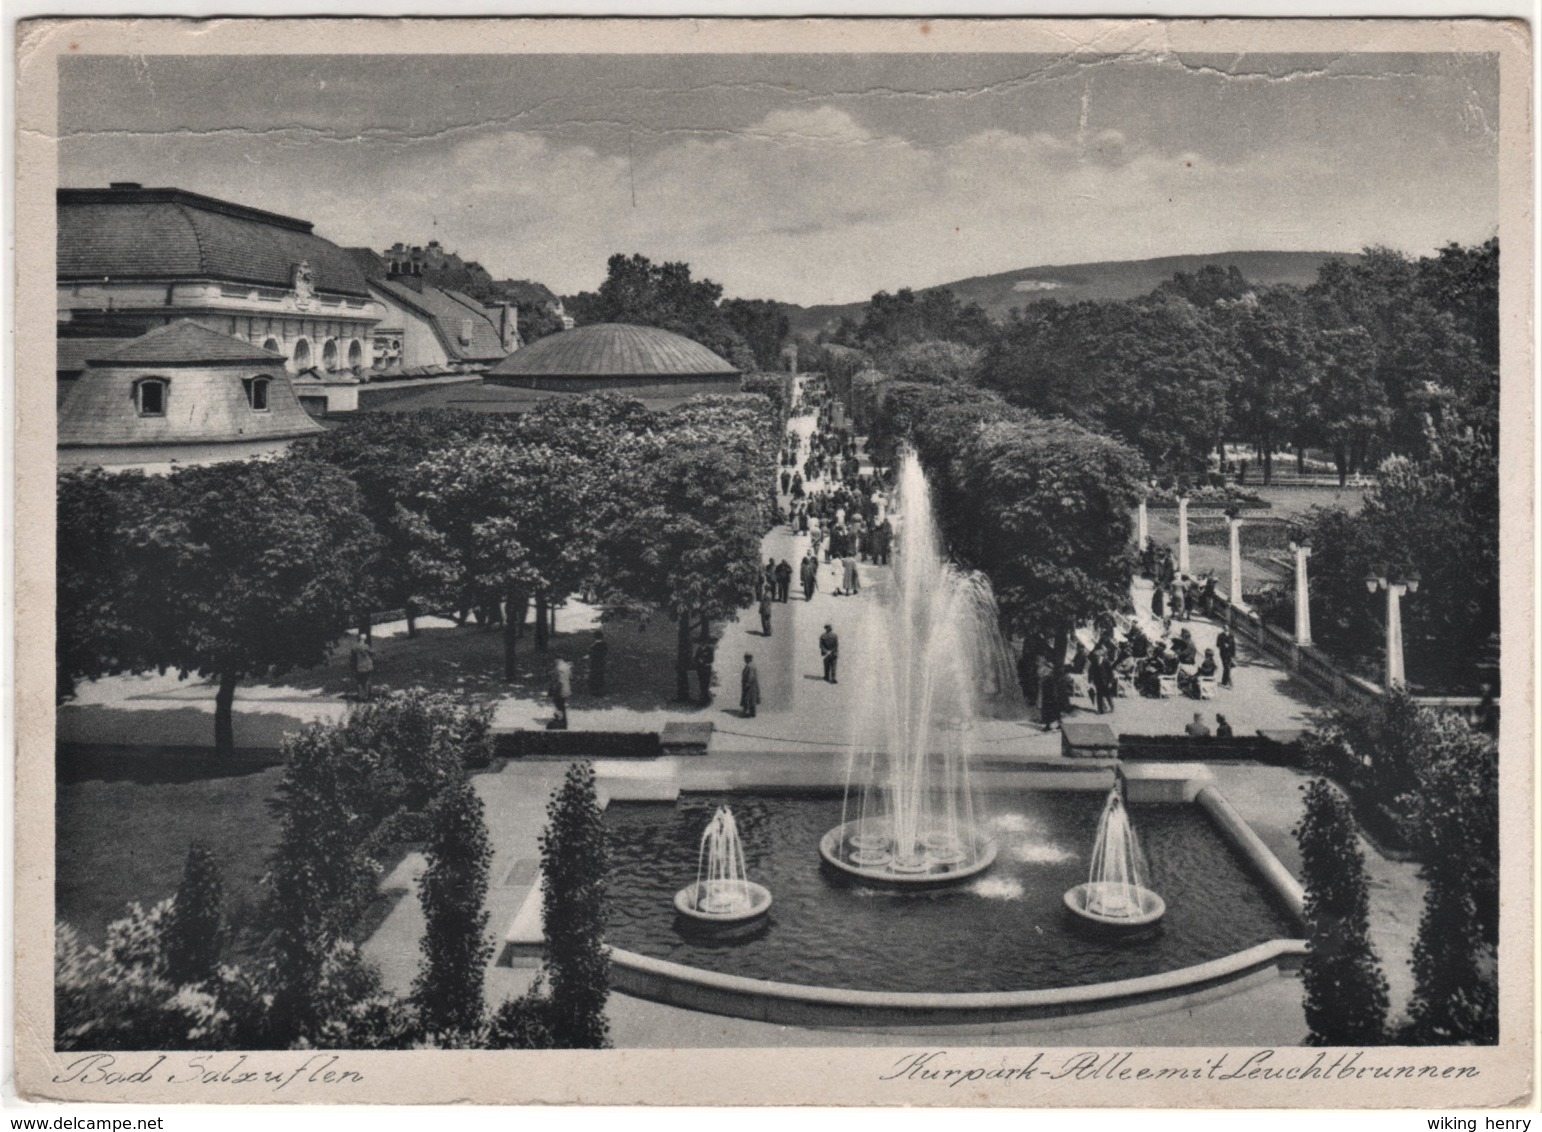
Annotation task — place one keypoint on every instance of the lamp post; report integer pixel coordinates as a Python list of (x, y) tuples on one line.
[(1183, 534), (1234, 538), (1396, 588), (1302, 550)]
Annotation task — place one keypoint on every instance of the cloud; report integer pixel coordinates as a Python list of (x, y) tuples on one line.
[(811, 204)]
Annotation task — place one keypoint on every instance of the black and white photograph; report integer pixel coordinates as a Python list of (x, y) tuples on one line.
[(966, 551)]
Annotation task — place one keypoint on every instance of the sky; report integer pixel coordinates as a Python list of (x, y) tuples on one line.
[(810, 178)]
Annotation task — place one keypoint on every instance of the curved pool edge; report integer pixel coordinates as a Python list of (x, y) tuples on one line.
[(794, 1004)]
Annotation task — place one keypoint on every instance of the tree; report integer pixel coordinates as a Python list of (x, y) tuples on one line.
[(688, 541), (1455, 810), (379, 451), (637, 290), (1346, 993), (349, 791), (1052, 523), (195, 924), (453, 891), (575, 864), (250, 569), (893, 320), (762, 324), (1273, 336), (938, 362), (100, 582)]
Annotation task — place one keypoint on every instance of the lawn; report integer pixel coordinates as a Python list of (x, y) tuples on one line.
[(125, 817)]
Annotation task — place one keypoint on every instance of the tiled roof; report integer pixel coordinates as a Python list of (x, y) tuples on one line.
[(172, 234), (450, 316), (184, 343), (613, 349), (74, 353), (370, 262)]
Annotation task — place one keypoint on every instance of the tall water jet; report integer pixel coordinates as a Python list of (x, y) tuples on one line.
[(723, 895), (1115, 897), (932, 663)]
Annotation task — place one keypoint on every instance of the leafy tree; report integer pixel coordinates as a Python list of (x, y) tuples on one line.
[(575, 864), (349, 791), (1455, 809), (893, 320), (688, 541), (1273, 336), (250, 569), (1039, 360), (453, 891), (1346, 993), (902, 406), (1051, 524), (932, 361), (379, 451), (100, 582), (1210, 285), (762, 324), (195, 924)]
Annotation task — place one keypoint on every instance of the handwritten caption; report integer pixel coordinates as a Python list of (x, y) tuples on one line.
[(941, 1067), (207, 1069)]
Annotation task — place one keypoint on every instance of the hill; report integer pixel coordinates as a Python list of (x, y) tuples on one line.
[(1070, 283)]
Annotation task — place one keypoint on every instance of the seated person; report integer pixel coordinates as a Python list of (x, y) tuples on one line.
[(1207, 667), (1140, 645), (1170, 663), (1222, 728), (1197, 729), (1148, 680), (1188, 651)]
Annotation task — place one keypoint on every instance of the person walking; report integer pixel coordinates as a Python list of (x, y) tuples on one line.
[(361, 658), (1103, 680), (749, 687), (808, 573), (702, 661), (1226, 649), (599, 653), (850, 581), (560, 690), (830, 651), (765, 612), (768, 574), (783, 580)]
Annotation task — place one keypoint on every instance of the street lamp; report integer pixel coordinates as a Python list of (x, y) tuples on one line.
[(1378, 579)]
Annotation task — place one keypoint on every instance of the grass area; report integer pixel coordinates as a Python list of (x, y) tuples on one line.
[(125, 817)]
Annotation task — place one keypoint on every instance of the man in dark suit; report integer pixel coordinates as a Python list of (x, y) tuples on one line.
[(783, 579), (830, 650), (702, 660), (749, 687), (1226, 649), (809, 574)]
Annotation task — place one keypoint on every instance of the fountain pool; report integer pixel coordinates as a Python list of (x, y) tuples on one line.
[(1006, 930)]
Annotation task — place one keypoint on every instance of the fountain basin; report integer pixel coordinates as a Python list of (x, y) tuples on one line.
[(1115, 908), (942, 858), (723, 907)]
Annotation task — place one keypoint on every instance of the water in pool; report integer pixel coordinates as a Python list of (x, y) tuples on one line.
[(1007, 929)]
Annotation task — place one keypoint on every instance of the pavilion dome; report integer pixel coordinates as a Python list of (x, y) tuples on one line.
[(614, 350)]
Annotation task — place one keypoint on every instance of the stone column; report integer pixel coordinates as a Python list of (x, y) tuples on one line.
[(1303, 603), (1142, 530), (1183, 534), (1234, 533), (1395, 592)]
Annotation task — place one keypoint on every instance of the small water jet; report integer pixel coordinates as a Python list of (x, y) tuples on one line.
[(1115, 897), (934, 662), (723, 898)]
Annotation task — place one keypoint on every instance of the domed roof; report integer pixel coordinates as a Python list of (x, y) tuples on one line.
[(614, 349)]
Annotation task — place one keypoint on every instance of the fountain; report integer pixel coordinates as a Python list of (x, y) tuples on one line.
[(933, 663), (1115, 898), (723, 898)]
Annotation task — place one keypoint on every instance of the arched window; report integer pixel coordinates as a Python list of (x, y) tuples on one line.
[(329, 355), (355, 355), (257, 393), (272, 345), (150, 396), (302, 356)]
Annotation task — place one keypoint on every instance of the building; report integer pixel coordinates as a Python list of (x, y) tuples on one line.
[(643, 361), (178, 394), (131, 259), (426, 330)]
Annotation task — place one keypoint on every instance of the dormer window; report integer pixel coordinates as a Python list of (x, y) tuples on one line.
[(150, 396), (256, 393)]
